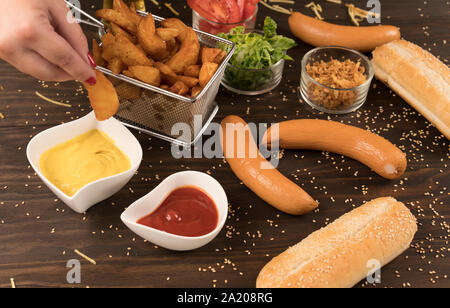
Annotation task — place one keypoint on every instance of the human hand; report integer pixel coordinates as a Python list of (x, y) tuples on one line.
[(37, 38)]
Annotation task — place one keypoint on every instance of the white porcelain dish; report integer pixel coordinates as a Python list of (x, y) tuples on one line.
[(102, 189), (153, 200)]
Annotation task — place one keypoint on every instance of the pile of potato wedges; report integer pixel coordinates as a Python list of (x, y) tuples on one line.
[(169, 57)]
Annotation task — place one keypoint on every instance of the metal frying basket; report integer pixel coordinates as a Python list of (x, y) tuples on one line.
[(164, 114)]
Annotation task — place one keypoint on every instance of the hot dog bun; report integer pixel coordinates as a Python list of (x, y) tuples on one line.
[(418, 77), (320, 33), (337, 256), (247, 163), (368, 148)]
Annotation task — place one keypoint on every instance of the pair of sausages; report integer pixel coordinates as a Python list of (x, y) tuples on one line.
[(270, 185)]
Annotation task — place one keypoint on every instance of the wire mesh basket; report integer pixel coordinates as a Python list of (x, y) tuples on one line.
[(164, 114)]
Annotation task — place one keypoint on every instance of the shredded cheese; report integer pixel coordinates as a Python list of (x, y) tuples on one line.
[(282, 1), (13, 284), (335, 1), (52, 101), (2, 116), (169, 6), (155, 2), (276, 8), (85, 257), (316, 8), (358, 15)]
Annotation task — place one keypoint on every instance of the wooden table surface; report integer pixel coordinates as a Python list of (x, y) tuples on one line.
[(38, 233)]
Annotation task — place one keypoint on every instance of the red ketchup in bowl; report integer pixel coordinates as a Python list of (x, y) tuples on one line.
[(186, 211)]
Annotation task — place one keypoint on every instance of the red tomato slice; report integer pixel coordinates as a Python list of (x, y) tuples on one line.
[(234, 11), (203, 9), (241, 5), (249, 9), (224, 11)]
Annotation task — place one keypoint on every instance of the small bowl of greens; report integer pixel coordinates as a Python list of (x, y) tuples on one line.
[(258, 63)]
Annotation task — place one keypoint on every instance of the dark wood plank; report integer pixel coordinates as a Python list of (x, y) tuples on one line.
[(39, 233)]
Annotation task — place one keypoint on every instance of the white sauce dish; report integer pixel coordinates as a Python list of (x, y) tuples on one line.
[(99, 190), (151, 202)]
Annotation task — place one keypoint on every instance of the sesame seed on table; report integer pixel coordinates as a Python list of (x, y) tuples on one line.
[(39, 234)]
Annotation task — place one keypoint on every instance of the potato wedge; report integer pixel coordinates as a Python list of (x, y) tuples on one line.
[(207, 72), (193, 71), (135, 14), (130, 54), (189, 81), (213, 55), (116, 66), (123, 8), (179, 88), (175, 23), (168, 75), (220, 57), (128, 73), (195, 91), (108, 46), (128, 91), (116, 29), (103, 97), (167, 34), (119, 18), (173, 46), (148, 39), (188, 53), (97, 53), (147, 74)]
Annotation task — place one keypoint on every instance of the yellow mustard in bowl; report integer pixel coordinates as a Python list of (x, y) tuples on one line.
[(82, 160)]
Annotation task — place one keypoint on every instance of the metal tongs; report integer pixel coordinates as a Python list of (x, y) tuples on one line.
[(95, 22)]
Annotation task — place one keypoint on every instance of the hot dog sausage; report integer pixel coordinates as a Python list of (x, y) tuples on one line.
[(257, 173), (372, 150), (320, 33)]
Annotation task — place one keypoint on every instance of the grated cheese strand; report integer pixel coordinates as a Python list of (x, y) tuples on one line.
[(85, 257), (52, 101), (358, 15), (282, 1), (169, 6), (276, 8), (13, 284), (316, 8)]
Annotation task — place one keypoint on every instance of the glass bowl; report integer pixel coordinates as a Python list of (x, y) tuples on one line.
[(334, 100), (253, 81), (212, 27)]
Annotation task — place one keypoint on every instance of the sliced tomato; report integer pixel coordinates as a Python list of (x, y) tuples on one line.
[(223, 11), (203, 9), (234, 11), (249, 9), (241, 5)]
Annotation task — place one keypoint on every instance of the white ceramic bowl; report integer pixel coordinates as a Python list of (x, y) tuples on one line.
[(101, 189), (153, 200)]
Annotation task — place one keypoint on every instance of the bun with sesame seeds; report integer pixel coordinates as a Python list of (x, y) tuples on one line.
[(418, 77), (341, 254)]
